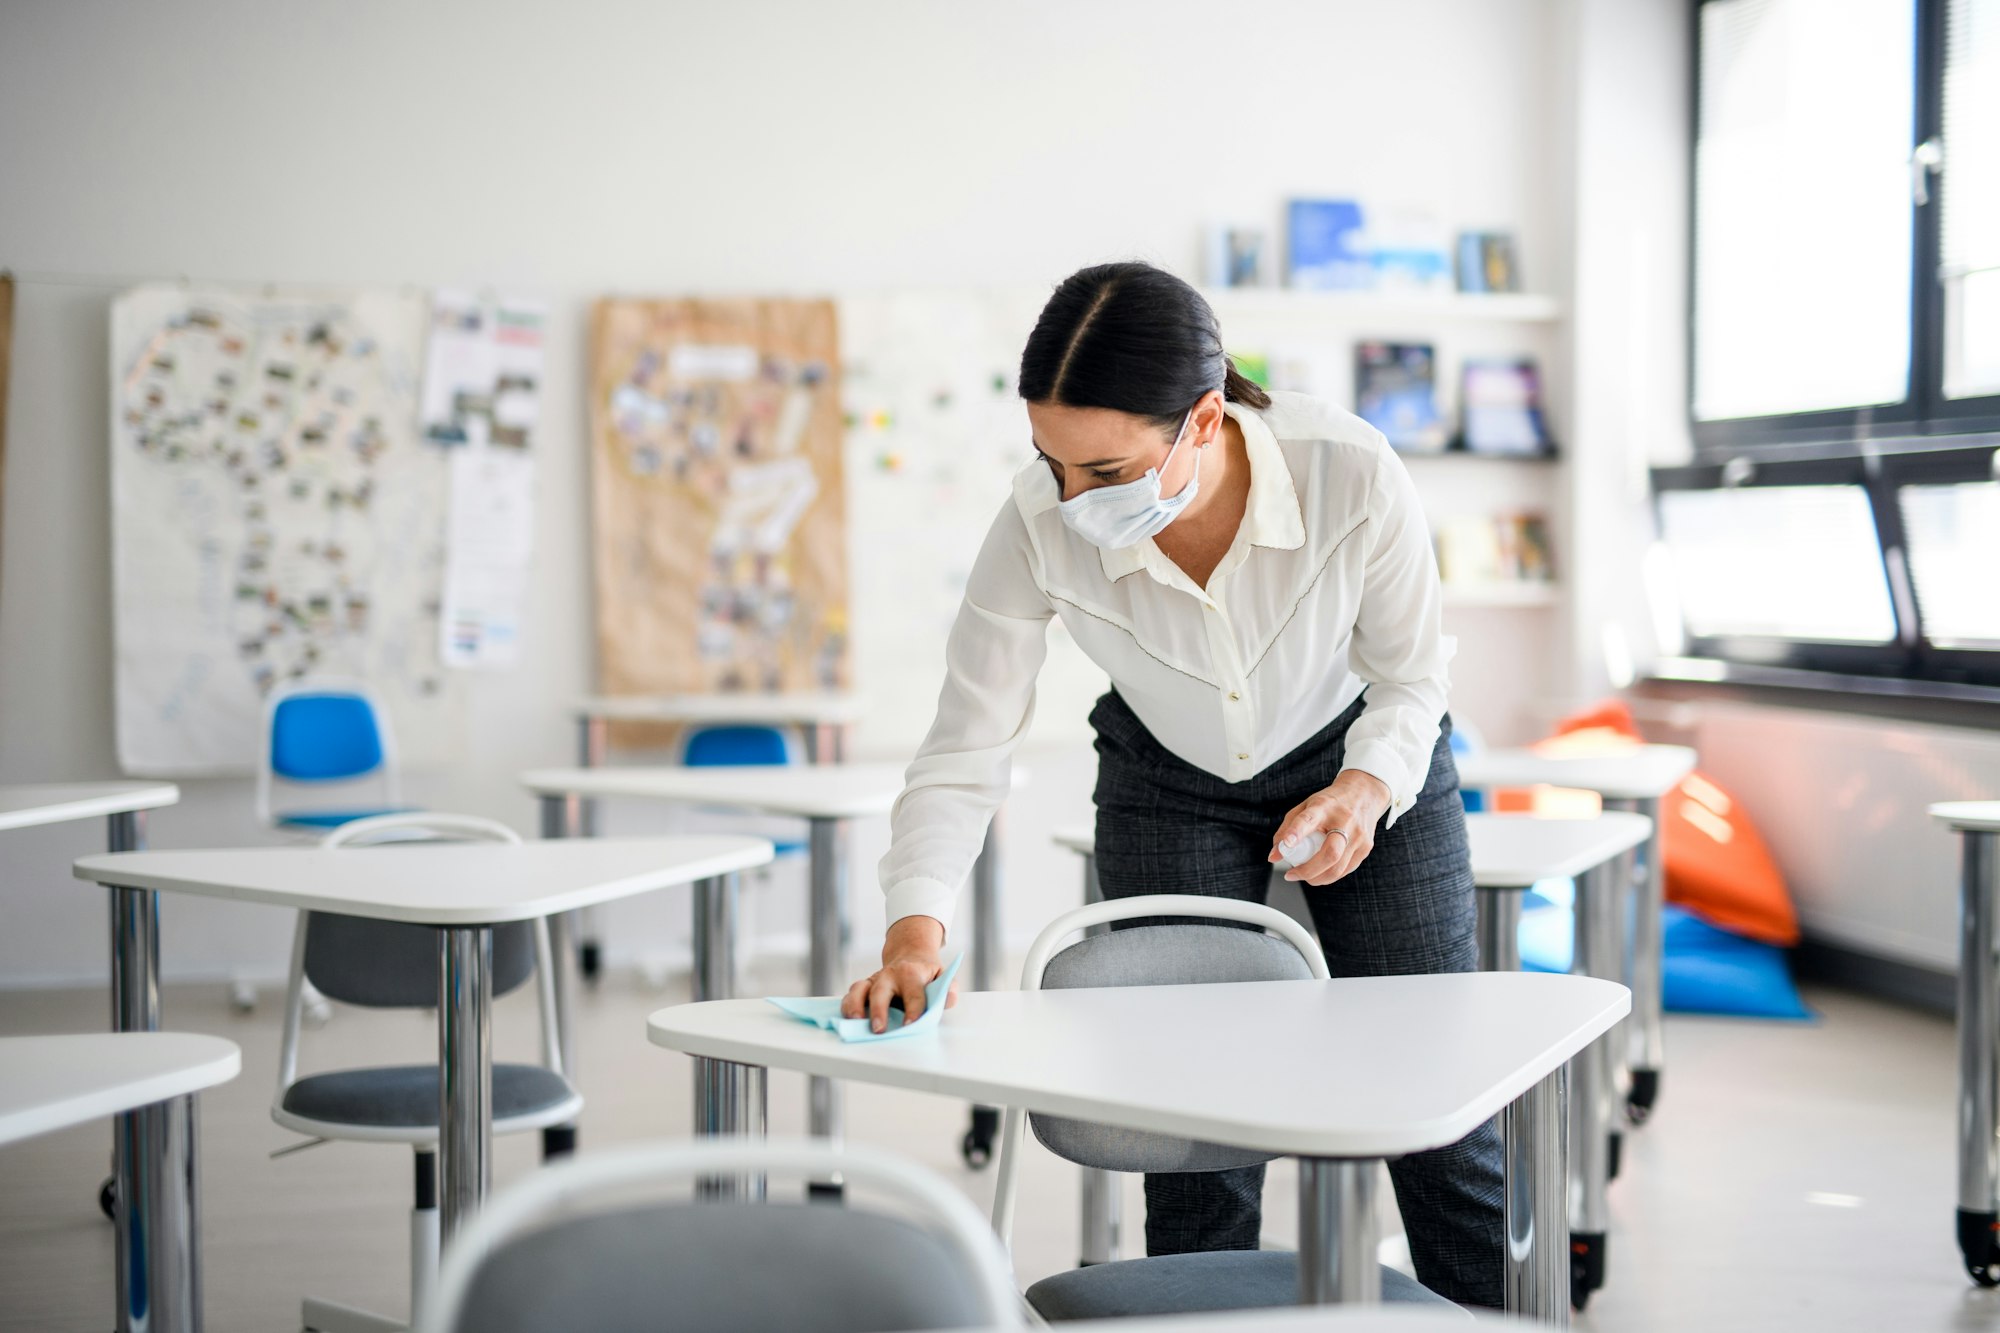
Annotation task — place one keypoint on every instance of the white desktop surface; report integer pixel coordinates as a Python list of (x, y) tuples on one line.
[(1514, 851), (1508, 851), (719, 708), (811, 791), (1639, 773), (1968, 816), (1353, 1067), (59, 802), (438, 884), (51, 1083)]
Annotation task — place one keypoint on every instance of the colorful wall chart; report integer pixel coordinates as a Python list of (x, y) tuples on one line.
[(275, 514), (721, 548)]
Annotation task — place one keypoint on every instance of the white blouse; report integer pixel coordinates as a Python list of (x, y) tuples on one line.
[(1329, 588)]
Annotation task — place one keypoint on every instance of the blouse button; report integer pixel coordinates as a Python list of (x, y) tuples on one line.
[(1234, 696), (1242, 756)]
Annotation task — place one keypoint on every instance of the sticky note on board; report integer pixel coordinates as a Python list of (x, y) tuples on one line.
[(824, 1011)]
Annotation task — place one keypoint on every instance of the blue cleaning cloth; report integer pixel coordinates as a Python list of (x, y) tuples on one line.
[(824, 1011)]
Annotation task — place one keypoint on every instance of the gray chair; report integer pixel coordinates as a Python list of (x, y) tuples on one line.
[(592, 1243), (394, 965), (1174, 952)]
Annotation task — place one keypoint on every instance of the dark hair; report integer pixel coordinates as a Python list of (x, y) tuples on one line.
[(1132, 338)]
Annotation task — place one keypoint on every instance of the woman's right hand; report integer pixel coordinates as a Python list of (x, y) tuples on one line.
[(910, 961)]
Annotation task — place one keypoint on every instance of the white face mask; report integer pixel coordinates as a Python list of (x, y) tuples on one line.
[(1115, 517)]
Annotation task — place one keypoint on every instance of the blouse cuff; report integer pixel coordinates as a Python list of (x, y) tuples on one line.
[(922, 897)]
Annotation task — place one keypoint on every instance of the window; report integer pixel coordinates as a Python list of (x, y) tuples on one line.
[(1876, 565), (1846, 262)]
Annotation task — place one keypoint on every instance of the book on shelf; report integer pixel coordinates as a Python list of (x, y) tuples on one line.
[(1502, 406), (1235, 257), (1486, 550), (1486, 262), (1325, 246), (1395, 391)]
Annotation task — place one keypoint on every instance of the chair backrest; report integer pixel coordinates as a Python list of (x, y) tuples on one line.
[(708, 747), (569, 1247), (325, 729), (1213, 948), (392, 964)]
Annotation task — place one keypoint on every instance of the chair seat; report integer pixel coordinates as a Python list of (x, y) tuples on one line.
[(1189, 1283), (789, 848), (331, 819), (406, 1096)]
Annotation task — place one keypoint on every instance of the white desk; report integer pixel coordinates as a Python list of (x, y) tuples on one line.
[(1400, 1065), (463, 889), (123, 806), (1634, 779), (1978, 825), (148, 1081), (827, 797), (51, 1083)]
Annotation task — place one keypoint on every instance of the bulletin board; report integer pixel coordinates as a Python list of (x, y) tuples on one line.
[(720, 527), (275, 513)]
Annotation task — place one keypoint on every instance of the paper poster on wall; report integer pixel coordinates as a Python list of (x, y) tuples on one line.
[(721, 550), (481, 400), (275, 514)]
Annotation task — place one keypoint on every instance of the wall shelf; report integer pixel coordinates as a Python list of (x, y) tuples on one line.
[(1379, 307), (1521, 594)]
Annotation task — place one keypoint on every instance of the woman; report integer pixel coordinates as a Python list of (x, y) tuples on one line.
[(1254, 574)]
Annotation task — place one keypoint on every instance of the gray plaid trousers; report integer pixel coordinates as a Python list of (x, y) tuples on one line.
[(1165, 826)]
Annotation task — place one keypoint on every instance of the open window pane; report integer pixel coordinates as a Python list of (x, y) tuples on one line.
[(1803, 218), (1951, 535), (1970, 199), (1799, 563)]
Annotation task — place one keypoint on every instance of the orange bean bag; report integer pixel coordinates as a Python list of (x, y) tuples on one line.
[(1717, 866)]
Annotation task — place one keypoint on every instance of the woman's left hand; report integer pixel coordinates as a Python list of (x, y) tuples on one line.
[(1347, 813)]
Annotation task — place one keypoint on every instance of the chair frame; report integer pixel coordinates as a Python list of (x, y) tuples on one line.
[(329, 1316), (521, 1206), (1048, 944), (389, 769)]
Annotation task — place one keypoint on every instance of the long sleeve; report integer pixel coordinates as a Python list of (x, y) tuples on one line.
[(962, 771), (1398, 647)]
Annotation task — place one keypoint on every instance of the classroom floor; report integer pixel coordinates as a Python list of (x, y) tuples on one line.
[(1795, 1177)]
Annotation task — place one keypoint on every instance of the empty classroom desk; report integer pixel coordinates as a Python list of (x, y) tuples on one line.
[(1408, 1063), (828, 797), (463, 888), (1977, 824), (1633, 779), (51, 1083), (1510, 854)]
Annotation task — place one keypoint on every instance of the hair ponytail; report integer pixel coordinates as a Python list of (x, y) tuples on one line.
[(1132, 338)]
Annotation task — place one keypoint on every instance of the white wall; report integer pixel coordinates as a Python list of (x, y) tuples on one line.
[(581, 149)]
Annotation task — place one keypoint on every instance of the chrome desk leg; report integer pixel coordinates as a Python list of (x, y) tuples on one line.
[(827, 850), (1647, 1035), (1337, 1240), (715, 937), (558, 821), (1102, 1199), (590, 733), (465, 1057), (731, 1099), (1978, 1082), (1534, 1130), (1593, 1095), (1499, 929), (977, 1146)]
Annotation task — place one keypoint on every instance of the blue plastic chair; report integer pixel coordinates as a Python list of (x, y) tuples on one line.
[(320, 731), (742, 744)]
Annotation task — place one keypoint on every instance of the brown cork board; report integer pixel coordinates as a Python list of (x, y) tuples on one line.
[(720, 531)]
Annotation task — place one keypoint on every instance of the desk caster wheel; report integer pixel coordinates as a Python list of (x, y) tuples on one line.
[(1614, 1155), (1645, 1091), (977, 1146), (107, 1198), (1979, 1242), (1586, 1266), (590, 961)]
